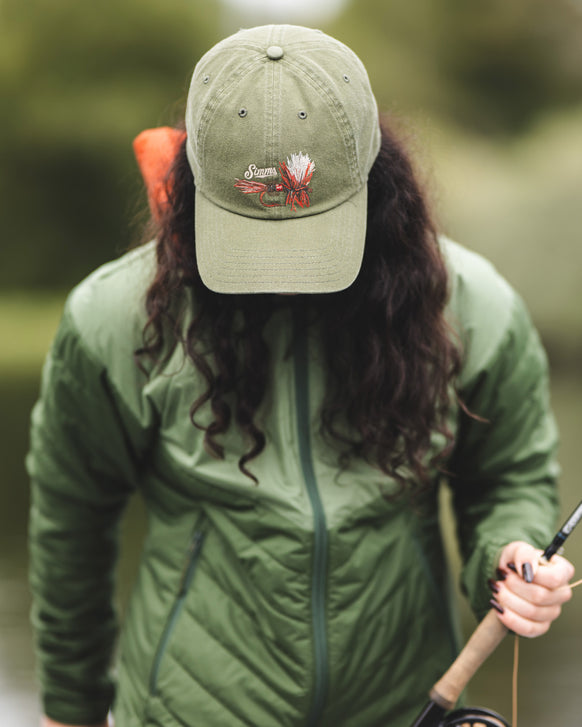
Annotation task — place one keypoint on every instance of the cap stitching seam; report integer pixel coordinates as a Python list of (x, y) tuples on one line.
[(213, 104), (339, 113), (277, 123)]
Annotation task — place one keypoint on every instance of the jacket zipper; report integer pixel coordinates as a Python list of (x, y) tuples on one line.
[(194, 551), (319, 577)]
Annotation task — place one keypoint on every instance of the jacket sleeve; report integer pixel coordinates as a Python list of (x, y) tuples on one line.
[(83, 467), (504, 468)]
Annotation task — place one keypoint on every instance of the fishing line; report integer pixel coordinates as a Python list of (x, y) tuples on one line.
[(516, 670)]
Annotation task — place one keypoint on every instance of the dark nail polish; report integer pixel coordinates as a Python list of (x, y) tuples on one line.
[(493, 603), (527, 571), (493, 586), (501, 574), (512, 567)]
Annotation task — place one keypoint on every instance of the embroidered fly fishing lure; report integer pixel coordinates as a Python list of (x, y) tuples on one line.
[(484, 640), (296, 174)]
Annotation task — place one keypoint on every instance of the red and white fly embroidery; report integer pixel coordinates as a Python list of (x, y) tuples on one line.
[(296, 175)]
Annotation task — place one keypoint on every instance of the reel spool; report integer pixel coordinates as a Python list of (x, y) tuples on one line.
[(474, 717)]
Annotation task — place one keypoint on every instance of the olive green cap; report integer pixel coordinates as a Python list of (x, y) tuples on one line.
[(282, 132)]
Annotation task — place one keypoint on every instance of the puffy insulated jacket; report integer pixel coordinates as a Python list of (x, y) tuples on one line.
[(310, 599)]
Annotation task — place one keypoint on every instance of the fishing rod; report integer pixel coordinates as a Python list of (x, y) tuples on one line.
[(484, 640)]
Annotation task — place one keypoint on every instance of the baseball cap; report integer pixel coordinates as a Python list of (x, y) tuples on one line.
[(282, 130)]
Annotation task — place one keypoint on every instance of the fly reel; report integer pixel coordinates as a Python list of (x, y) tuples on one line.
[(474, 717)]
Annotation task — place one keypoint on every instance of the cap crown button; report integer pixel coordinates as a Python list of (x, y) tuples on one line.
[(274, 52)]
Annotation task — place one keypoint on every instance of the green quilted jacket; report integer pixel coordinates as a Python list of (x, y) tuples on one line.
[(308, 600)]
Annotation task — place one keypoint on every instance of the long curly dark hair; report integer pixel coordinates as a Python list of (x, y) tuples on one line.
[(390, 357)]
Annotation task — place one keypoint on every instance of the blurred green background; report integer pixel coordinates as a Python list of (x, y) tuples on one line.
[(489, 96)]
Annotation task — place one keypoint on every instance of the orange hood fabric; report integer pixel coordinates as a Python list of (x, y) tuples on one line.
[(155, 150)]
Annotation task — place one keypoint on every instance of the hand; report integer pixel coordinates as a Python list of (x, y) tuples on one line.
[(528, 608), (47, 722)]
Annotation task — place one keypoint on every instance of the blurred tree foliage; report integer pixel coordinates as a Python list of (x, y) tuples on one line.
[(79, 80), (490, 66)]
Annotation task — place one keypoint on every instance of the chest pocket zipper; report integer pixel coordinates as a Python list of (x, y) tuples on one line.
[(194, 551)]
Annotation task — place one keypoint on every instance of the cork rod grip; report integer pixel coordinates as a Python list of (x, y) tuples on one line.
[(483, 642)]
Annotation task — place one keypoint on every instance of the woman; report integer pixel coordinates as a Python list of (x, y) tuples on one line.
[(285, 375)]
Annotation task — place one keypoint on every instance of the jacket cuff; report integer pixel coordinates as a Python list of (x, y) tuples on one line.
[(93, 710)]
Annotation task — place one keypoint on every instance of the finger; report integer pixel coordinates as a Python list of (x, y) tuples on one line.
[(522, 626), (537, 605), (522, 558), (535, 593), (554, 573), (527, 561)]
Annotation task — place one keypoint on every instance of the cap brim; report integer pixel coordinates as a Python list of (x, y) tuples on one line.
[(320, 253)]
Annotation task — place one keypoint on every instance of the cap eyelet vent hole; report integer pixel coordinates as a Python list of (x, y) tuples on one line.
[(206, 79), (242, 113), (302, 115), (346, 78)]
